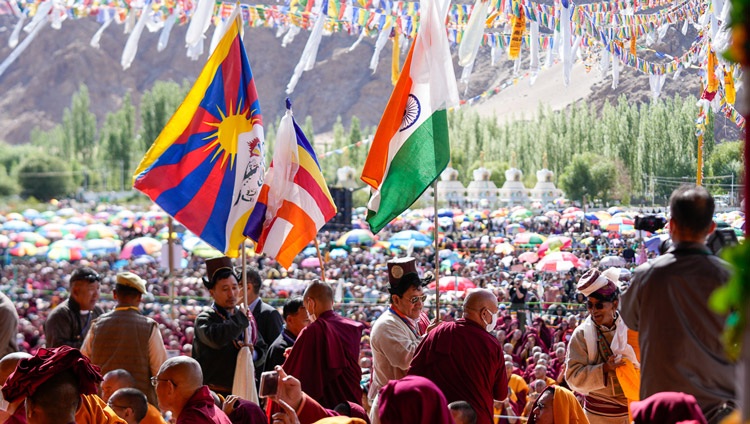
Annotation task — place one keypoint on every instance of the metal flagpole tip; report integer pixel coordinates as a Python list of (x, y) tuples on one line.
[(288, 104)]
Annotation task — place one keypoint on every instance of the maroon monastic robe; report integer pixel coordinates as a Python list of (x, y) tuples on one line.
[(466, 363), (325, 359)]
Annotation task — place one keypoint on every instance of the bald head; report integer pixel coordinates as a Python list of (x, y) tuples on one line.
[(8, 364), (318, 298), (479, 306), (178, 380), (183, 371), (115, 380)]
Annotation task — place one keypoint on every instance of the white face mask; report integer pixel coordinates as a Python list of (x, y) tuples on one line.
[(491, 325), (3, 403)]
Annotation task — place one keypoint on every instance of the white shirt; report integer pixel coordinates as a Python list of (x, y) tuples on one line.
[(393, 345)]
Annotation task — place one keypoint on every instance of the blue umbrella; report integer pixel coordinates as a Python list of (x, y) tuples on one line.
[(17, 225), (652, 243)]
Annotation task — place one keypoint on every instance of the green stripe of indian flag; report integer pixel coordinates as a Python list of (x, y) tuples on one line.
[(414, 166)]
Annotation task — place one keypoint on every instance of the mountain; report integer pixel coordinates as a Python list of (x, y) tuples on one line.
[(39, 85)]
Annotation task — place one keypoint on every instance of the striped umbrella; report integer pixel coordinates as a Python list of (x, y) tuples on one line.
[(140, 246), (528, 239), (356, 237)]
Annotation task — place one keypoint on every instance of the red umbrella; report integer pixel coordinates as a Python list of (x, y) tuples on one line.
[(529, 257), (453, 283)]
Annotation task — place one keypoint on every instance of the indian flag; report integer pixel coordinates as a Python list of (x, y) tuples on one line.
[(411, 146)]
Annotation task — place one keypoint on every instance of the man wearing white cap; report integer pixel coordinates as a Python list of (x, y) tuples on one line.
[(598, 348), (125, 339)]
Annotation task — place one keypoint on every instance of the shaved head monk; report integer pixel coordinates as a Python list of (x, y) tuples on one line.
[(180, 389), (331, 343), (464, 360)]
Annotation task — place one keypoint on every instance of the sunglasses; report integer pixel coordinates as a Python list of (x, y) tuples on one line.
[(592, 305), (416, 299)]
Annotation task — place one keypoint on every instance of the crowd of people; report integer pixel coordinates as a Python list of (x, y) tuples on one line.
[(361, 337)]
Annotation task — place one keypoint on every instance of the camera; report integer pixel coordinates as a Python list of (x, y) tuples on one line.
[(650, 223), (269, 384), (721, 238)]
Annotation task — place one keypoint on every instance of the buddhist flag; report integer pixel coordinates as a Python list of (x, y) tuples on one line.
[(206, 167), (294, 202), (411, 146)]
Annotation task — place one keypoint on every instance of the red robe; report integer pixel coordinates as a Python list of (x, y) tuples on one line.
[(466, 363), (200, 409), (325, 359)]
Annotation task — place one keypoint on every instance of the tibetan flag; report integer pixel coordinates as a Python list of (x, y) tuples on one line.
[(206, 167), (411, 146), (294, 202)]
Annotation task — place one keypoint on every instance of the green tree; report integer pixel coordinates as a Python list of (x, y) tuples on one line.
[(356, 156), (79, 128), (118, 137), (157, 107), (726, 159), (8, 185), (576, 179), (45, 177)]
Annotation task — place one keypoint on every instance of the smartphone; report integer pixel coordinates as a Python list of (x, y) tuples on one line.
[(269, 384)]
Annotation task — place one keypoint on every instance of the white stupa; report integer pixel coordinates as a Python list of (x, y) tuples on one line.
[(545, 191), (450, 188), (482, 191), (513, 191)]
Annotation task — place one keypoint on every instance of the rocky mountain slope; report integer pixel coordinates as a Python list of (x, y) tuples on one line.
[(38, 86)]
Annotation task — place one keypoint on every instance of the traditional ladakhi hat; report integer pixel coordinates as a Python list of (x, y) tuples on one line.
[(213, 266), (131, 280), (402, 273), (600, 285)]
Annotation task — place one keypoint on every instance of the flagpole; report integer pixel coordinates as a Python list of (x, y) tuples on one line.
[(320, 261), (244, 274), (170, 252), (437, 253)]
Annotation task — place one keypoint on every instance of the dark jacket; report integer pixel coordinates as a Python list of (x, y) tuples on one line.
[(269, 320), (215, 346), (65, 324), (275, 354)]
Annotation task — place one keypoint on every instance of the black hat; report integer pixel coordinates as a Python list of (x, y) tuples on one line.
[(402, 273), (215, 265), (85, 274)]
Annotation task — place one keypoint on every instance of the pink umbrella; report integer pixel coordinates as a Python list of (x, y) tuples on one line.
[(530, 257), (546, 264), (310, 263), (453, 283)]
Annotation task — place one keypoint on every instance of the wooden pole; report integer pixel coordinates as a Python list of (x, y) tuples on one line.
[(320, 260), (170, 253), (437, 252)]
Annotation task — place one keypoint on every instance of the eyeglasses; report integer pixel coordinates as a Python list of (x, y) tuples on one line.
[(113, 406), (156, 380), (416, 299), (592, 305)]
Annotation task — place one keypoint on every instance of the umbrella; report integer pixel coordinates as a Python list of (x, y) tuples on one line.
[(310, 263), (204, 250), (453, 283), (339, 253), (530, 257), (558, 266), (555, 243), (31, 213), (34, 238), (528, 239), (505, 248), (17, 225), (544, 264), (653, 243), (101, 246), (96, 231), (54, 231), (4, 240), (520, 215), (571, 209), (23, 249), (140, 246), (609, 261), (614, 210), (356, 237), (63, 253), (403, 239), (515, 229)]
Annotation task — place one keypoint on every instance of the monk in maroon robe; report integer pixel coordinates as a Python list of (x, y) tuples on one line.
[(464, 360), (325, 356)]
